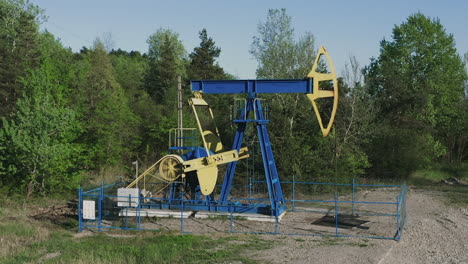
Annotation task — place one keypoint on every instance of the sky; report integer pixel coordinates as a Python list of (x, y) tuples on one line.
[(345, 28)]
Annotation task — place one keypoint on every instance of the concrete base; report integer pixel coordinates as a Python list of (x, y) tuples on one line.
[(199, 215)]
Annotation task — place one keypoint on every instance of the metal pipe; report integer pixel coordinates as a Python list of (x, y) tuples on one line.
[(336, 215), (294, 193), (101, 194), (231, 227), (353, 197), (180, 124), (136, 171), (182, 213), (80, 211), (276, 219), (398, 216)]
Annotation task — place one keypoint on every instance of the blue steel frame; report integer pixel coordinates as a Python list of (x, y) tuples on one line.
[(253, 104), (271, 173)]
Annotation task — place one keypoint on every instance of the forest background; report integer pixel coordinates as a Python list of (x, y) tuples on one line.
[(75, 118)]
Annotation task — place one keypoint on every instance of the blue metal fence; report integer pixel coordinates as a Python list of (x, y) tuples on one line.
[(304, 210)]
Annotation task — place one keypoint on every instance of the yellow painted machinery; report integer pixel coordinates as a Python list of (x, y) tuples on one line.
[(205, 164)]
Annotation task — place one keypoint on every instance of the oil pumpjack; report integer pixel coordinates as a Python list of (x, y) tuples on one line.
[(194, 170)]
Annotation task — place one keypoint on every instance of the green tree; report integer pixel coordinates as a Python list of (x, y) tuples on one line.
[(465, 61), (203, 66), (38, 153), (202, 60), (131, 68), (458, 137), (295, 134), (279, 55), (166, 56), (104, 109), (18, 48), (417, 81), (60, 65), (354, 123), (166, 60)]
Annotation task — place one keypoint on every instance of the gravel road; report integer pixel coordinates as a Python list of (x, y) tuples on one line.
[(435, 233)]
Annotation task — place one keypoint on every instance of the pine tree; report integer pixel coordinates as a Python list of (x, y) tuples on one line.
[(202, 60)]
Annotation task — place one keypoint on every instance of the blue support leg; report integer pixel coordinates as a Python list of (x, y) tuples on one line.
[(172, 192), (231, 168), (271, 172), (353, 196), (336, 215), (80, 211), (100, 199)]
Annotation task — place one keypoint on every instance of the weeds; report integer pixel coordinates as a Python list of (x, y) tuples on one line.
[(433, 179), (159, 248), (25, 240)]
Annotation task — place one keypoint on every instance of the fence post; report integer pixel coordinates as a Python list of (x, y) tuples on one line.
[(182, 213), (138, 212), (80, 212), (403, 208), (250, 187), (101, 193), (336, 214), (353, 196), (294, 193), (128, 206), (397, 237), (231, 227), (276, 219)]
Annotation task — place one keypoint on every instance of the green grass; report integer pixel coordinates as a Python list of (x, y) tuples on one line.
[(430, 176), (439, 173), (433, 179), (102, 248), (25, 240), (142, 247), (13, 229)]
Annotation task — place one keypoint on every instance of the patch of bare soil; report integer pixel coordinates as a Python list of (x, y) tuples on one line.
[(57, 214), (434, 233), (303, 221)]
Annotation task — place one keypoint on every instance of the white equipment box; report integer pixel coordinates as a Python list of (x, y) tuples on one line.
[(127, 197)]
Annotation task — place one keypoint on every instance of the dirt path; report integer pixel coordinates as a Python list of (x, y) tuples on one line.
[(434, 233)]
